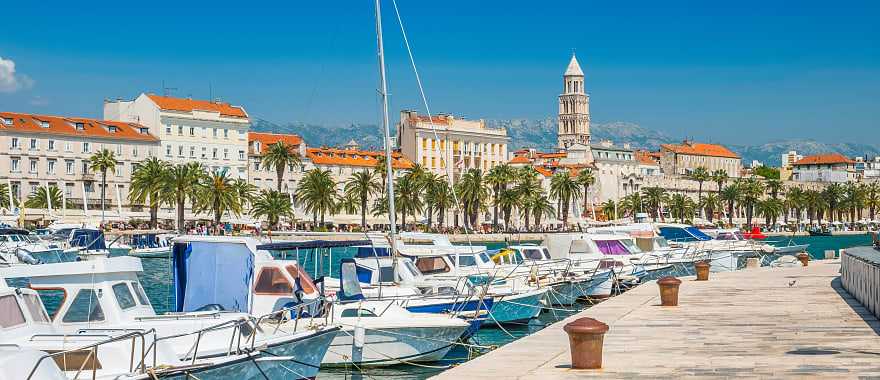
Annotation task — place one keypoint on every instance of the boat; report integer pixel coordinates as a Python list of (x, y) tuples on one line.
[(724, 255), (819, 232), (144, 243), (18, 246)]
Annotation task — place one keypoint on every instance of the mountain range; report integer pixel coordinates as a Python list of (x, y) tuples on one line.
[(541, 134)]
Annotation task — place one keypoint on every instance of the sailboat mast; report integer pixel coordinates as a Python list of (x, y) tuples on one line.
[(389, 177)]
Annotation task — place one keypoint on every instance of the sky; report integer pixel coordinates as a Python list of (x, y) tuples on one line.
[(743, 72)]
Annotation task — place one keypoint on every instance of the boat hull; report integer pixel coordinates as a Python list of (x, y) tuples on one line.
[(517, 308), (391, 346)]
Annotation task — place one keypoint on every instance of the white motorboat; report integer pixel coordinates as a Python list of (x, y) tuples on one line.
[(144, 243), (19, 246)]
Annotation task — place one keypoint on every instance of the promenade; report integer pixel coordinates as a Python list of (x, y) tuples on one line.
[(758, 323)]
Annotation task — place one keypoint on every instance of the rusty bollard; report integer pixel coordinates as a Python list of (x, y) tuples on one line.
[(702, 269), (585, 336), (668, 290), (804, 258)]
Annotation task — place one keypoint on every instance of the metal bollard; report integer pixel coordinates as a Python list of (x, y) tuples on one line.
[(585, 337), (752, 262), (669, 290), (702, 269), (804, 258), (829, 254)]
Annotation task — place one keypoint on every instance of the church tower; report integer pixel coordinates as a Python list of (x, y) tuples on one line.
[(574, 108)]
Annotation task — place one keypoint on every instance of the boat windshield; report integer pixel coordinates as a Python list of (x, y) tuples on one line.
[(611, 247), (729, 236), (466, 260), (631, 245), (661, 242), (533, 253), (686, 234)]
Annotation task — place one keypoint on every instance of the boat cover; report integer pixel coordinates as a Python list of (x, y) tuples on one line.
[(211, 273), (88, 239)]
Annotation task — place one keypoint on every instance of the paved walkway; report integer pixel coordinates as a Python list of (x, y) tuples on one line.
[(759, 323)]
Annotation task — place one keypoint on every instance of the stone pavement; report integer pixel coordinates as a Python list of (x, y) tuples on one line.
[(758, 323)]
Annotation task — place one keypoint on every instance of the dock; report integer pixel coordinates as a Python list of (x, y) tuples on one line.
[(758, 323)]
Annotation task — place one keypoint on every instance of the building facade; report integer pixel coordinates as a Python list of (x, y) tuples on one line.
[(829, 167), (448, 146), (264, 177), (682, 159), (211, 132), (45, 151), (573, 122), (617, 172)]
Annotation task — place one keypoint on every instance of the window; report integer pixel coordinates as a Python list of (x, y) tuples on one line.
[(7, 120), (305, 281), (68, 190), (85, 167), (192, 151), (225, 133), (214, 153), (14, 143), (225, 153), (50, 167), (168, 150), (180, 130), (180, 151), (272, 281), (192, 131), (68, 147), (533, 254), (80, 126), (241, 155), (51, 144), (35, 308), (34, 144), (68, 165), (256, 165), (10, 312), (84, 308), (34, 164), (167, 129), (123, 296), (118, 149), (14, 164), (466, 261), (112, 129), (215, 132), (134, 151), (139, 292), (357, 313), (86, 147), (431, 265)]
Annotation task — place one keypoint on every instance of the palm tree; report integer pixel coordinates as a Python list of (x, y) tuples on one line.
[(654, 198), (631, 204), (541, 207), (610, 209), (529, 190), (4, 195), (794, 201), (815, 203), (381, 168), (731, 195), (586, 179), (316, 192), (770, 208), (853, 200), (564, 189), (832, 194), (146, 184), (407, 196), (42, 198), (180, 183), (103, 161), (273, 205), (508, 200), (719, 177), (438, 197), (751, 190), (216, 192), (710, 204), (472, 193), (774, 186), (246, 191), (872, 198), (361, 186), (700, 175), (681, 206), (279, 156), (498, 177)]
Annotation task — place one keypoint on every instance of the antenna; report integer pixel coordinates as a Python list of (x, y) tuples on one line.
[(166, 91)]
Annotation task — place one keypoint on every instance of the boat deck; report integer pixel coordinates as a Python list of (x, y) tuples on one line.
[(766, 323)]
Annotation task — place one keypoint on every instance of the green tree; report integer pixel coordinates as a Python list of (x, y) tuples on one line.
[(180, 184), (103, 161), (609, 208), (564, 189), (794, 201), (498, 177), (438, 197), (472, 193), (246, 191), (833, 195), (770, 209), (4, 195), (872, 198), (681, 206), (508, 200), (731, 196), (529, 190), (147, 182), (540, 208), (719, 176), (631, 204), (654, 198), (700, 175), (361, 186), (767, 172), (751, 191), (407, 196), (217, 193), (316, 193), (586, 179), (815, 203), (273, 205), (711, 203), (42, 198), (279, 156), (774, 187)]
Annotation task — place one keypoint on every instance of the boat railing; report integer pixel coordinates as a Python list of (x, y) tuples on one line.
[(139, 366), (295, 312)]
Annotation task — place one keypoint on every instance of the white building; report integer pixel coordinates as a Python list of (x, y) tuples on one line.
[(830, 167), (211, 132), (574, 108)]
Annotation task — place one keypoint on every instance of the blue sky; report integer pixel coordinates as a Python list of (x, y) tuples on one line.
[(737, 72)]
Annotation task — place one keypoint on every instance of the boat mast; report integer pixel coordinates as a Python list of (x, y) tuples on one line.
[(389, 177)]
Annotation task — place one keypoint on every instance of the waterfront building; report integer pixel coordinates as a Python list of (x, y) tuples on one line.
[(868, 168), (649, 163), (682, 159), (44, 151), (618, 172), (449, 146), (573, 121), (828, 167), (211, 132), (264, 177)]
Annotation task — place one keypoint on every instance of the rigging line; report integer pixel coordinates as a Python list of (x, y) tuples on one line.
[(430, 118)]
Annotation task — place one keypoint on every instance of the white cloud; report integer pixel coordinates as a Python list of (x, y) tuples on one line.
[(10, 81)]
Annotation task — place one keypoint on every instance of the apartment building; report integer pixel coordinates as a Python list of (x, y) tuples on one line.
[(264, 177), (214, 133), (828, 167), (681, 159), (43, 151)]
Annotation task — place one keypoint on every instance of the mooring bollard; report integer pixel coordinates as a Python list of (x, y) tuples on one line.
[(669, 290), (752, 262), (586, 336), (702, 269), (829, 254), (804, 258)]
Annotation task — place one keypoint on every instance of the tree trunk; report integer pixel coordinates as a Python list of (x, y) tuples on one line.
[(103, 192), (154, 212), (495, 207), (526, 214), (730, 213), (364, 213), (180, 206), (441, 215), (279, 170)]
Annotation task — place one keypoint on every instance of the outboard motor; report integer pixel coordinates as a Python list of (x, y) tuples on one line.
[(25, 257)]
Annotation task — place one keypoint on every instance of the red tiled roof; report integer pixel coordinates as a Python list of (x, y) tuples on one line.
[(520, 160), (442, 120), (825, 159), (647, 158), (347, 157), (267, 139), (700, 149), (552, 155), (189, 105), (67, 126)]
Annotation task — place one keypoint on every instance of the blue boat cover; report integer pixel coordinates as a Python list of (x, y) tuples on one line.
[(213, 274), (370, 251), (88, 239)]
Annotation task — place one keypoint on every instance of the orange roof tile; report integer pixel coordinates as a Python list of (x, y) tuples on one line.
[(646, 158), (520, 160), (267, 139), (67, 126), (552, 155), (825, 159), (544, 171), (348, 157), (189, 105), (700, 149), (442, 120)]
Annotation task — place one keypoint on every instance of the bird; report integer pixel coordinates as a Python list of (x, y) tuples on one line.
[(790, 284)]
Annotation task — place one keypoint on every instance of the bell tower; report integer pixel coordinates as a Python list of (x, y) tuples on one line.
[(574, 108)]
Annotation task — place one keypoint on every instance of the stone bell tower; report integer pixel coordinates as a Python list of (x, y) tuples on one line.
[(574, 108)]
